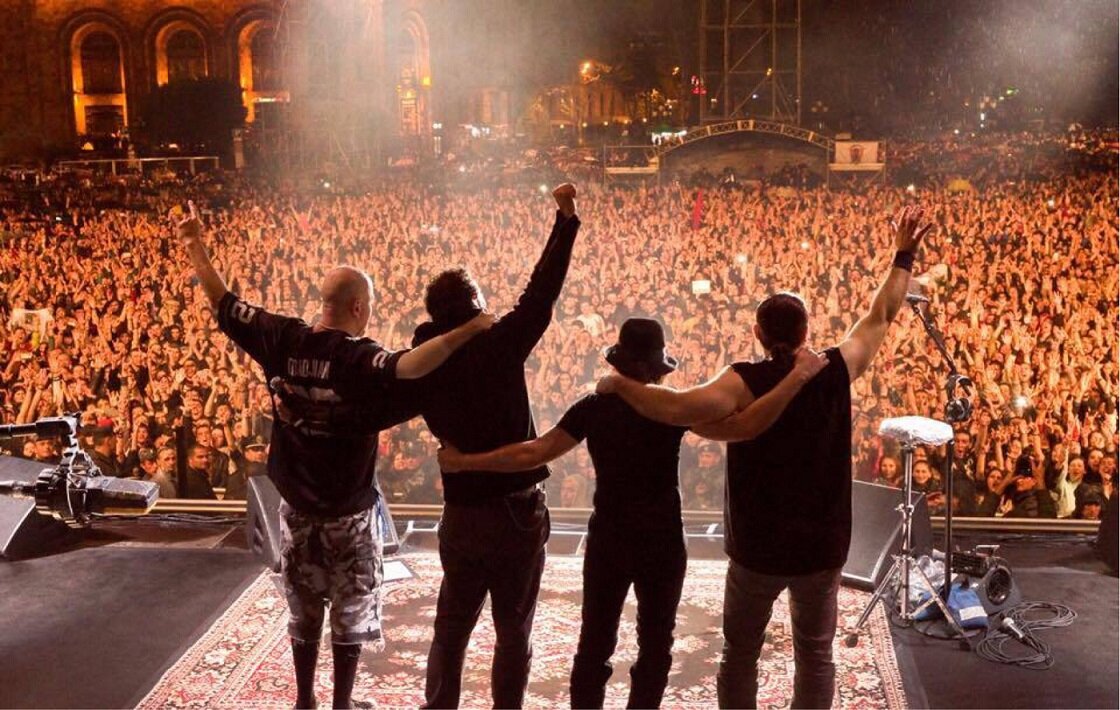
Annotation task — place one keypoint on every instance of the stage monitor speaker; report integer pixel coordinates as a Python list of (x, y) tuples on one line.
[(877, 532), (23, 532), (1108, 546), (262, 523)]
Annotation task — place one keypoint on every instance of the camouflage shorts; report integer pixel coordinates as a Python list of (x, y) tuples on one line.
[(335, 561)]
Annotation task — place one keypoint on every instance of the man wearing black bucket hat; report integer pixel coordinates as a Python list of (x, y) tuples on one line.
[(635, 535)]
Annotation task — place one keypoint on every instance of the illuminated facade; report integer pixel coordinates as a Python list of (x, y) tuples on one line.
[(78, 70)]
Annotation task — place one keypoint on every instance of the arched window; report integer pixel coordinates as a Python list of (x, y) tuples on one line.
[(180, 51), (263, 58), (97, 79), (101, 64), (412, 59), (258, 69), (186, 55)]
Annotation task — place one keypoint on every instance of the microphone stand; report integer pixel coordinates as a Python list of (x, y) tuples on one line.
[(958, 409)]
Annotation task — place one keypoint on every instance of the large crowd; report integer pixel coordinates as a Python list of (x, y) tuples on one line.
[(99, 314)]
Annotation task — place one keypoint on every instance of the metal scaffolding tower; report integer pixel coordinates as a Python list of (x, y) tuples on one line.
[(327, 52), (750, 60)]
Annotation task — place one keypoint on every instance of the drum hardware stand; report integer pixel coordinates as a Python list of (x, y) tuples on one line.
[(904, 565), (958, 409)]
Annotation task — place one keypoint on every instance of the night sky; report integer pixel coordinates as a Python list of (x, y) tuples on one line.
[(1060, 51)]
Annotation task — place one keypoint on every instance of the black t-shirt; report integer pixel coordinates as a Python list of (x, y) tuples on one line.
[(636, 461), (478, 401), (789, 491), (323, 459)]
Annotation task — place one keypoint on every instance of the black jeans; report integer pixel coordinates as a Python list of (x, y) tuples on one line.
[(498, 548), (655, 565), (746, 612)]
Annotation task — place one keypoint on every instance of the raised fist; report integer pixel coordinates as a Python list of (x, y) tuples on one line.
[(565, 196)]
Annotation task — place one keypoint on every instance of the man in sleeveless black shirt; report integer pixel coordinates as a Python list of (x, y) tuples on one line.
[(788, 516), (635, 535), (323, 459)]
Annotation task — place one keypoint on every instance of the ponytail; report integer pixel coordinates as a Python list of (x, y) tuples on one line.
[(783, 354)]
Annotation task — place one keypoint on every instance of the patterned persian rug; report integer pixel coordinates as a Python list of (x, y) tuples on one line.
[(244, 660)]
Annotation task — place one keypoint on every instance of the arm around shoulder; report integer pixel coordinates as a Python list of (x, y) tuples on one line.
[(715, 400)]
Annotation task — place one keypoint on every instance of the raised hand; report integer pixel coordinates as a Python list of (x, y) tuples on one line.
[(910, 228), (188, 229)]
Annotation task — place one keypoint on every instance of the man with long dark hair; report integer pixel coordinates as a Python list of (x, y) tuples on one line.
[(788, 515)]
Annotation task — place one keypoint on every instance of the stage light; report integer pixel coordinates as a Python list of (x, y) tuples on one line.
[(543, 188), (462, 168)]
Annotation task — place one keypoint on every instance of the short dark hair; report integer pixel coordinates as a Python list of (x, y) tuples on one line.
[(452, 297), (784, 322)]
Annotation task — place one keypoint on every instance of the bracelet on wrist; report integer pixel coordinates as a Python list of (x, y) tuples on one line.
[(904, 260)]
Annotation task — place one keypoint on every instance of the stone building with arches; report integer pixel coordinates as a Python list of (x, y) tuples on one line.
[(77, 70)]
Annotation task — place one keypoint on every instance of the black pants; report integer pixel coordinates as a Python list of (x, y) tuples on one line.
[(496, 548), (746, 612), (655, 565)]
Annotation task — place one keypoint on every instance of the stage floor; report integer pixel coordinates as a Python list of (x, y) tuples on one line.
[(97, 626)]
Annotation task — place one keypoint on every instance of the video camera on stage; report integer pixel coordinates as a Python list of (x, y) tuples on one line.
[(75, 491)]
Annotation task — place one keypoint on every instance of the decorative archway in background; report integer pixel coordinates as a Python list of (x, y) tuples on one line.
[(744, 125), (98, 78)]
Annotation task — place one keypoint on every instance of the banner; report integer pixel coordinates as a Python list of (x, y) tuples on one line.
[(857, 152), (698, 210)]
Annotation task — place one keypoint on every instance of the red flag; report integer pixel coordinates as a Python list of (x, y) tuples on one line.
[(698, 209)]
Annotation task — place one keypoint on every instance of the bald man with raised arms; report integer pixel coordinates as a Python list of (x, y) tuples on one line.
[(330, 400)]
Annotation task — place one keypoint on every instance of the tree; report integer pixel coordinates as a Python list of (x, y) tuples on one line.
[(195, 114)]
